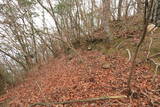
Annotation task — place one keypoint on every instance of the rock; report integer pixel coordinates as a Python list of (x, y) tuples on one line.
[(89, 48), (106, 65)]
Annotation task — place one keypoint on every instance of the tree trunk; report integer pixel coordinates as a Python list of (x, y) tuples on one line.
[(155, 13), (139, 6), (106, 16), (119, 9)]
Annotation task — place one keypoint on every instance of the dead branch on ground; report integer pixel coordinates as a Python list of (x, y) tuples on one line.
[(79, 101)]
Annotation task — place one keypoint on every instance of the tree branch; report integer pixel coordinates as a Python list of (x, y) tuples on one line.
[(79, 101), (14, 59)]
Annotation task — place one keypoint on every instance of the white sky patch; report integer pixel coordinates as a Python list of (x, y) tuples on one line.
[(39, 20)]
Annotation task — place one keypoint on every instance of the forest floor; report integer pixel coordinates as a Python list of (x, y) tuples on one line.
[(65, 79)]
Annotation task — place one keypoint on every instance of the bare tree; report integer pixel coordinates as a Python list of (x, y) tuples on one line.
[(119, 9), (106, 16)]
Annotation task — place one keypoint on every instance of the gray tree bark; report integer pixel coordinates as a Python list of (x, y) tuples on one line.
[(155, 13), (120, 9), (106, 16)]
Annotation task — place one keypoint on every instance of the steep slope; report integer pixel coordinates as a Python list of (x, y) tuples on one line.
[(67, 79)]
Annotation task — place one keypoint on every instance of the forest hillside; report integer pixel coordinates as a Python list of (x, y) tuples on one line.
[(79, 53)]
